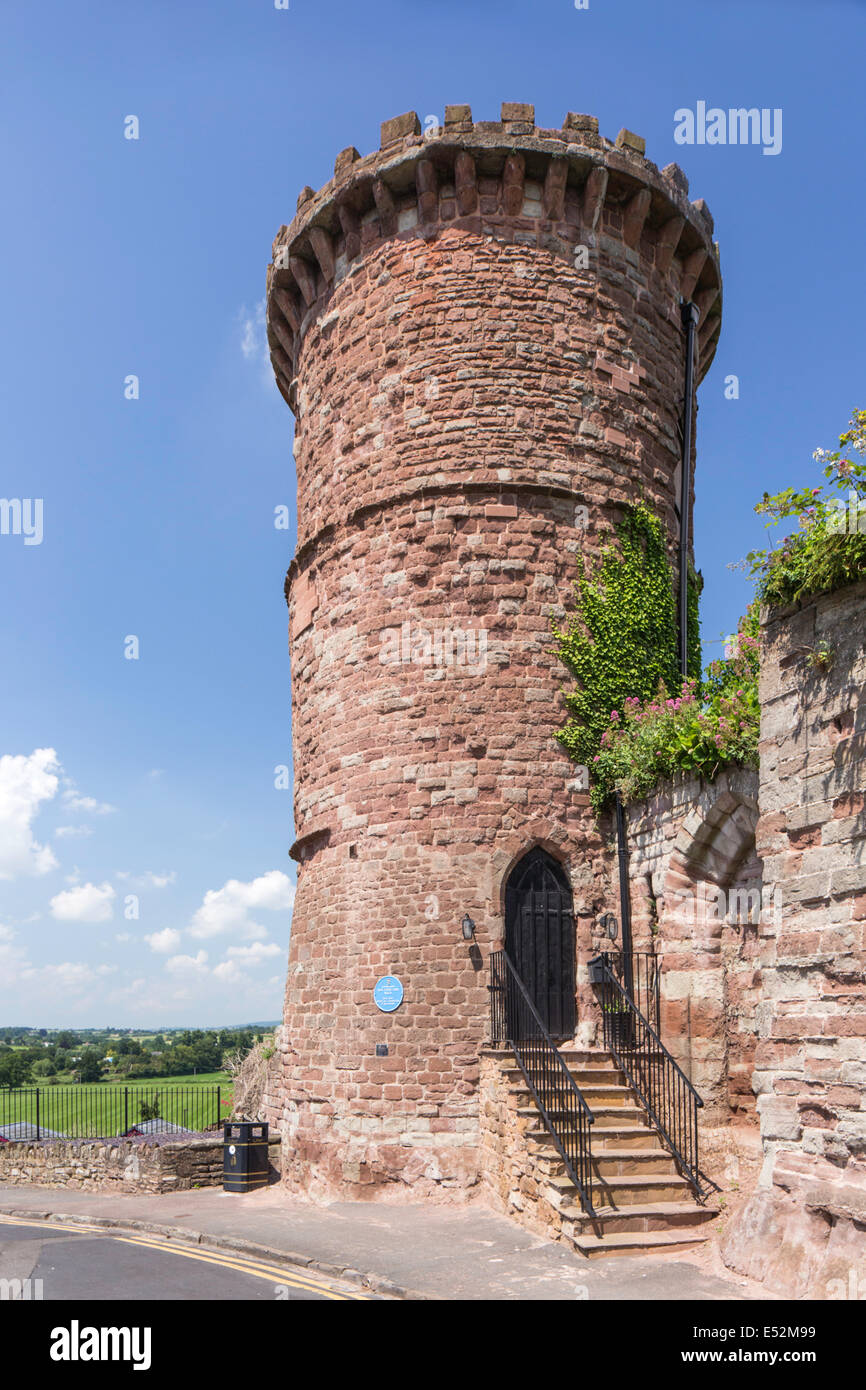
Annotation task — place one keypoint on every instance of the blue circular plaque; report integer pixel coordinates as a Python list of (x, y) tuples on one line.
[(388, 994)]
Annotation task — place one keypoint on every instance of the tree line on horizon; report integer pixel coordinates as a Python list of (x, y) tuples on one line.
[(68, 1056)]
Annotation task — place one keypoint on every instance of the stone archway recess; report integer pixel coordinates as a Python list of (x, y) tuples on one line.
[(710, 924)]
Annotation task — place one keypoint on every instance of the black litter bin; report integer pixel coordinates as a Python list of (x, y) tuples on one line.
[(245, 1155)]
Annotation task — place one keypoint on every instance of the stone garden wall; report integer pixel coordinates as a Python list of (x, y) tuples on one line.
[(96, 1165), (804, 1229)]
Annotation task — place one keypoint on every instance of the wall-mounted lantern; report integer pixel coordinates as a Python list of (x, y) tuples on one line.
[(468, 928), (609, 925)]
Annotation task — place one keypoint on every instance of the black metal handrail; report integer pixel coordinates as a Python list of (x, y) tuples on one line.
[(514, 1022), (659, 1082), (642, 968)]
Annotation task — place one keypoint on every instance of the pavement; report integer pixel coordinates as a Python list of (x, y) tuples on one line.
[(418, 1250)]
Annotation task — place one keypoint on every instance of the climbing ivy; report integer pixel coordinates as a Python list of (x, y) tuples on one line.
[(622, 643)]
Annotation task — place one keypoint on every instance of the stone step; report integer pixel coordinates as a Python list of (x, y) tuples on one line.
[(612, 1116), (584, 1054), (624, 1191), (597, 1094), (655, 1216), (614, 1163), (639, 1162), (608, 1137), (597, 1076), (637, 1242), (582, 1076), (604, 1116)]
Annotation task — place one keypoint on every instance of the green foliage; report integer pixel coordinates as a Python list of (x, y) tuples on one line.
[(634, 721), (622, 643), (14, 1070), (829, 550), (684, 733), (90, 1067)]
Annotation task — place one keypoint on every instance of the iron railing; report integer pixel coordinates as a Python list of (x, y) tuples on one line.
[(515, 1023), (639, 977), (94, 1111), (661, 1085)]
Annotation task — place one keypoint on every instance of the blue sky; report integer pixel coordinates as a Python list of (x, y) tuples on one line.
[(148, 257)]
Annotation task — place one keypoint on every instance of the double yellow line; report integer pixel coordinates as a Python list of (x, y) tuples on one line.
[(258, 1269)]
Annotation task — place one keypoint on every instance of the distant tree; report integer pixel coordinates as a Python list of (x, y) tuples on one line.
[(90, 1066), (15, 1070), (68, 1041)]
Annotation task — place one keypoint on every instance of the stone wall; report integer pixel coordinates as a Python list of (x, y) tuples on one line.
[(513, 1180), (699, 900), (805, 1227), (96, 1165)]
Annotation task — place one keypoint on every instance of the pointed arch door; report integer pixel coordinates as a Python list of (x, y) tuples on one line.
[(539, 938)]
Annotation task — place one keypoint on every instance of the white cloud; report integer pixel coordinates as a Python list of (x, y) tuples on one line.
[(25, 782), (179, 965), (148, 879), (65, 832), (164, 942), (74, 801), (70, 977), (254, 336), (228, 973), (228, 908), (255, 953), (85, 903), (12, 959)]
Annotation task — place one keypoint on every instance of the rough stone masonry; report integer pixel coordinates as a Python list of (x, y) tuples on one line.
[(478, 331)]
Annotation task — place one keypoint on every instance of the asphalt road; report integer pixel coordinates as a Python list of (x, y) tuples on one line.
[(79, 1264)]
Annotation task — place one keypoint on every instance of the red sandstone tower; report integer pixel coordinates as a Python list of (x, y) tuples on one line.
[(479, 333)]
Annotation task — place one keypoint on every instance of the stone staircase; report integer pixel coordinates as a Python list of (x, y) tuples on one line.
[(641, 1201)]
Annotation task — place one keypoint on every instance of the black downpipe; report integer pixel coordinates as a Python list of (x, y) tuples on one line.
[(690, 323), (624, 899)]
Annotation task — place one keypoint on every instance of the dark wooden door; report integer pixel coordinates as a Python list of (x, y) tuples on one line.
[(539, 938)]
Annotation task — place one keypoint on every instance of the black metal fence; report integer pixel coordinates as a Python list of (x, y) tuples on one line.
[(663, 1088), (103, 1112), (638, 974), (515, 1023)]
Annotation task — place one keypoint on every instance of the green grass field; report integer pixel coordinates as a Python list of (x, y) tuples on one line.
[(102, 1110)]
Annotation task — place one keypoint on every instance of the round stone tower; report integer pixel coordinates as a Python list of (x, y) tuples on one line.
[(479, 331)]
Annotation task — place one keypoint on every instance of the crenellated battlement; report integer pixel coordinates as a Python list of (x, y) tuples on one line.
[(510, 180)]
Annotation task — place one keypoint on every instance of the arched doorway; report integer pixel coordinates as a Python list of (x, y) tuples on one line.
[(539, 938)]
